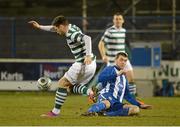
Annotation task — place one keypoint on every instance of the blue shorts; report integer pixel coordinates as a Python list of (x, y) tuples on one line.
[(109, 97), (116, 108)]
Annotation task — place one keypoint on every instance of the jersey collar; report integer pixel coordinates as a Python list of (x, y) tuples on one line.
[(117, 67), (117, 28)]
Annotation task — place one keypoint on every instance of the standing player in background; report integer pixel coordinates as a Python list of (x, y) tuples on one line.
[(112, 42), (81, 72)]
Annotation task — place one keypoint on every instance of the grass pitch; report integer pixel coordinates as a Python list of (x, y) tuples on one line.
[(25, 108)]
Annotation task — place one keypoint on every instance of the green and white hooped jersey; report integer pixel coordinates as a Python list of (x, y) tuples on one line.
[(114, 40), (74, 38)]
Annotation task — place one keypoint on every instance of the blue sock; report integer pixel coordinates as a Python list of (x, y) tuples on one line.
[(97, 107)]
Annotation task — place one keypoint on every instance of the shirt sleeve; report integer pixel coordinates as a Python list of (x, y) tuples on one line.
[(129, 97), (107, 75), (47, 28), (105, 36), (87, 41), (77, 36)]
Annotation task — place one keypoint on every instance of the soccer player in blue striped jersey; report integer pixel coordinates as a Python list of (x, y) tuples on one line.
[(112, 42), (81, 72), (113, 87)]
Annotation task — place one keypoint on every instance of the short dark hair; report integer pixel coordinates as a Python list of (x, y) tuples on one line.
[(60, 20), (118, 13), (121, 54)]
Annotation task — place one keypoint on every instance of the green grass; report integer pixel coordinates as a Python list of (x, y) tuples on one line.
[(24, 108)]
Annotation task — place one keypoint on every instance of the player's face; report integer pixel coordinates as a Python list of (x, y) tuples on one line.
[(118, 20), (61, 29), (121, 61)]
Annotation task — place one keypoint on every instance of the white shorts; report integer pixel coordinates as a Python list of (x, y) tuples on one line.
[(79, 73), (128, 66)]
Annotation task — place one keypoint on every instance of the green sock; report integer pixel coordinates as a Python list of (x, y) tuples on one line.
[(132, 89), (80, 89)]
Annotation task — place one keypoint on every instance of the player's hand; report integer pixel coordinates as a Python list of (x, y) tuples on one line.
[(145, 106), (34, 24), (105, 59), (88, 59)]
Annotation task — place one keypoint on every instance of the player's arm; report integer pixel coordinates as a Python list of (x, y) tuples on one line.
[(102, 48), (88, 46), (129, 97), (128, 47), (132, 100), (78, 36), (102, 51), (42, 27)]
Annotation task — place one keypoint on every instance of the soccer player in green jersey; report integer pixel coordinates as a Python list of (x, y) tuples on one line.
[(113, 42), (81, 72)]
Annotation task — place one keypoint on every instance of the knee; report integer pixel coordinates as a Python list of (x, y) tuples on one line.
[(64, 83), (133, 110), (136, 109), (107, 103)]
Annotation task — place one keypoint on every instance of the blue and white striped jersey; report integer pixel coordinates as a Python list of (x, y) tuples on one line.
[(115, 85)]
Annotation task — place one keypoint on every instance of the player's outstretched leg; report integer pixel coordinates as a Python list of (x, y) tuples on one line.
[(60, 98), (82, 89)]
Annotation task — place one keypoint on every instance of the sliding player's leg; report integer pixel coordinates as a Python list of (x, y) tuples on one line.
[(97, 108), (133, 109), (102, 104), (119, 109)]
